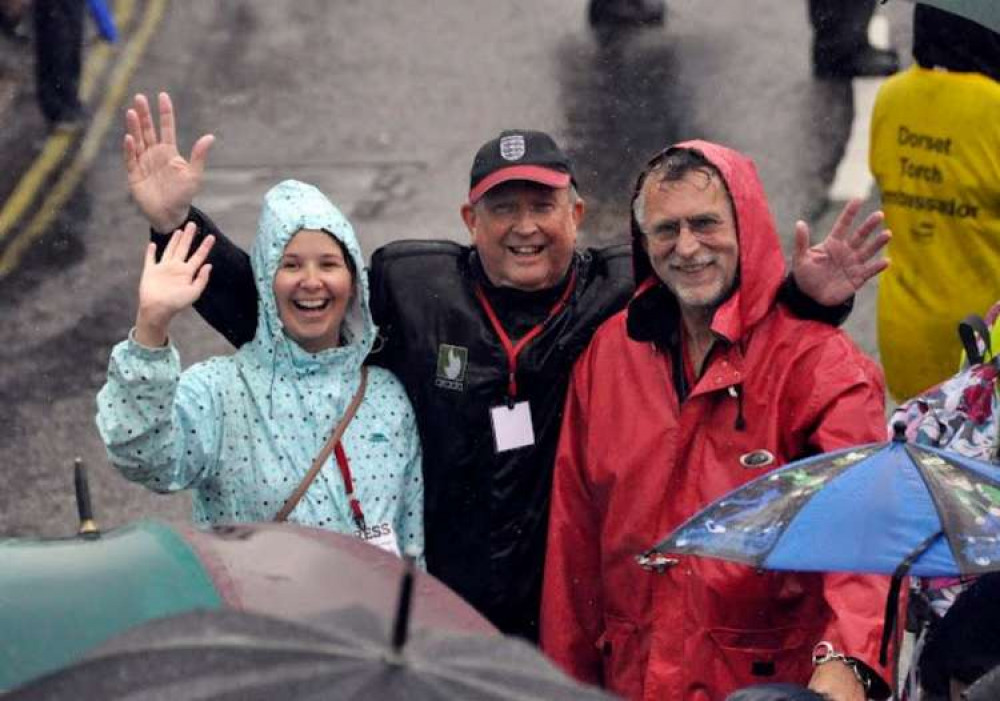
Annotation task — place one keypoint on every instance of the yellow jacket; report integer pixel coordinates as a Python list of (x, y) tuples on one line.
[(935, 153)]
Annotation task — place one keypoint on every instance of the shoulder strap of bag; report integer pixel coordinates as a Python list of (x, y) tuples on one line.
[(975, 335), (325, 451)]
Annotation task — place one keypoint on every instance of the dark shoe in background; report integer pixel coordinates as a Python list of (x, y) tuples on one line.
[(70, 119), (626, 13), (13, 23), (867, 62)]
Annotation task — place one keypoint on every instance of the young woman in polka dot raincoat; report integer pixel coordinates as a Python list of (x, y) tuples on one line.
[(242, 430)]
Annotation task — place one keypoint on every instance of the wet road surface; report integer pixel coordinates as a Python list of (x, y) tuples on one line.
[(382, 109)]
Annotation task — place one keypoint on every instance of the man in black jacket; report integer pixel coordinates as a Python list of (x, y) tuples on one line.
[(483, 337)]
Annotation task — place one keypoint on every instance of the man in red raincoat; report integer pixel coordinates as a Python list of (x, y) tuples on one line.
[(702, 383)]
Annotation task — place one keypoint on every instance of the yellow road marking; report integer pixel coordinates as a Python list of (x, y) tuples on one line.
[(73, 173), (93, 69), (30, 184), (57, 145)]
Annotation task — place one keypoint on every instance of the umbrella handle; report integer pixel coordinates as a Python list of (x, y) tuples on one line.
[(401, 625), (88, 527), (891, 609), (892, 601)]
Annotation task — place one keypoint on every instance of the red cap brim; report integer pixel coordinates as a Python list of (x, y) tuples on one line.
[(535, 174)]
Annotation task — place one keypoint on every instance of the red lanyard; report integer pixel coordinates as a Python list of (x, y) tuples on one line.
[(345, 473), (511, 348)]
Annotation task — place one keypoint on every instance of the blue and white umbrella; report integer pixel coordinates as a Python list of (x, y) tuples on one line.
[(891, 508)]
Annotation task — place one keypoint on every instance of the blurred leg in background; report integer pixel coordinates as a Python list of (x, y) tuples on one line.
[(840, 41), (626, 13), (58, 56), (12, 24)]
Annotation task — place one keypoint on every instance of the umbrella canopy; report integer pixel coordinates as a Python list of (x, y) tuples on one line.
[(984, 12), (341, 654), (294, 572), (883, 508), (62, 597), (59, 597), (776, 692), (874, 508)]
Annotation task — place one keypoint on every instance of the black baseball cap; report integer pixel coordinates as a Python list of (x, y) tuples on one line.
[(519, 154)]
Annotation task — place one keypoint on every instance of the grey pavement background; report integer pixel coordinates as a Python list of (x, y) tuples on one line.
[(382, 104)]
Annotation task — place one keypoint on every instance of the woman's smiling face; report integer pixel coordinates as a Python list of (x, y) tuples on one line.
[(312, 287)]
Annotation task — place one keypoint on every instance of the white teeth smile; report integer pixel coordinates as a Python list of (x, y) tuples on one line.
[(525, 250), (311, 305), (693, 268)]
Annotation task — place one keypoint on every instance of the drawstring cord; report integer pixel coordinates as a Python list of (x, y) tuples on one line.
[(274, 375), (740, 424)]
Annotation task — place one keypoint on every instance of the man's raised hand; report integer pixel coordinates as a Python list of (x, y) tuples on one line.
[(162, 183), (830, 272), (170, 285)]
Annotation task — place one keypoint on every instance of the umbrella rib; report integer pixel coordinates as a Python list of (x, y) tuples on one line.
[(231, 685), (463, 678), (239, 642), (892, 601), (459, 676), (934, 498)]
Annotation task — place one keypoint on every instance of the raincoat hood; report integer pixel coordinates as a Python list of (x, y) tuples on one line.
[(289, 207), (761, 262)]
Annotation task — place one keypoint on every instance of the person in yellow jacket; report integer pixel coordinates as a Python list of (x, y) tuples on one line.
[(935, 153)]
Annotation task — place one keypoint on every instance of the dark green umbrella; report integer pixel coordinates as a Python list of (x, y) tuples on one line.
[(343, 654), (60, 598)]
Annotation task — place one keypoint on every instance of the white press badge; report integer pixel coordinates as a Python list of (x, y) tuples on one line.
[(512, 426), (381, 536)]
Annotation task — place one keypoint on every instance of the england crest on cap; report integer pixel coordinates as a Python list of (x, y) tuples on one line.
[(512, 147)]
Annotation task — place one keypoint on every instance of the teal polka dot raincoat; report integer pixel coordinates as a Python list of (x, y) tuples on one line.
[(242, 430)]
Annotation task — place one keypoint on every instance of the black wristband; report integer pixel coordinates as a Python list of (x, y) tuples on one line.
[(804, 307)]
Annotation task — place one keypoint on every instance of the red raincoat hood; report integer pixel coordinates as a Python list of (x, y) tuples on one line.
[(762, 264)]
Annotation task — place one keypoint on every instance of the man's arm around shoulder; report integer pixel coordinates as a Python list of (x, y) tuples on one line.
[(229, 303)]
